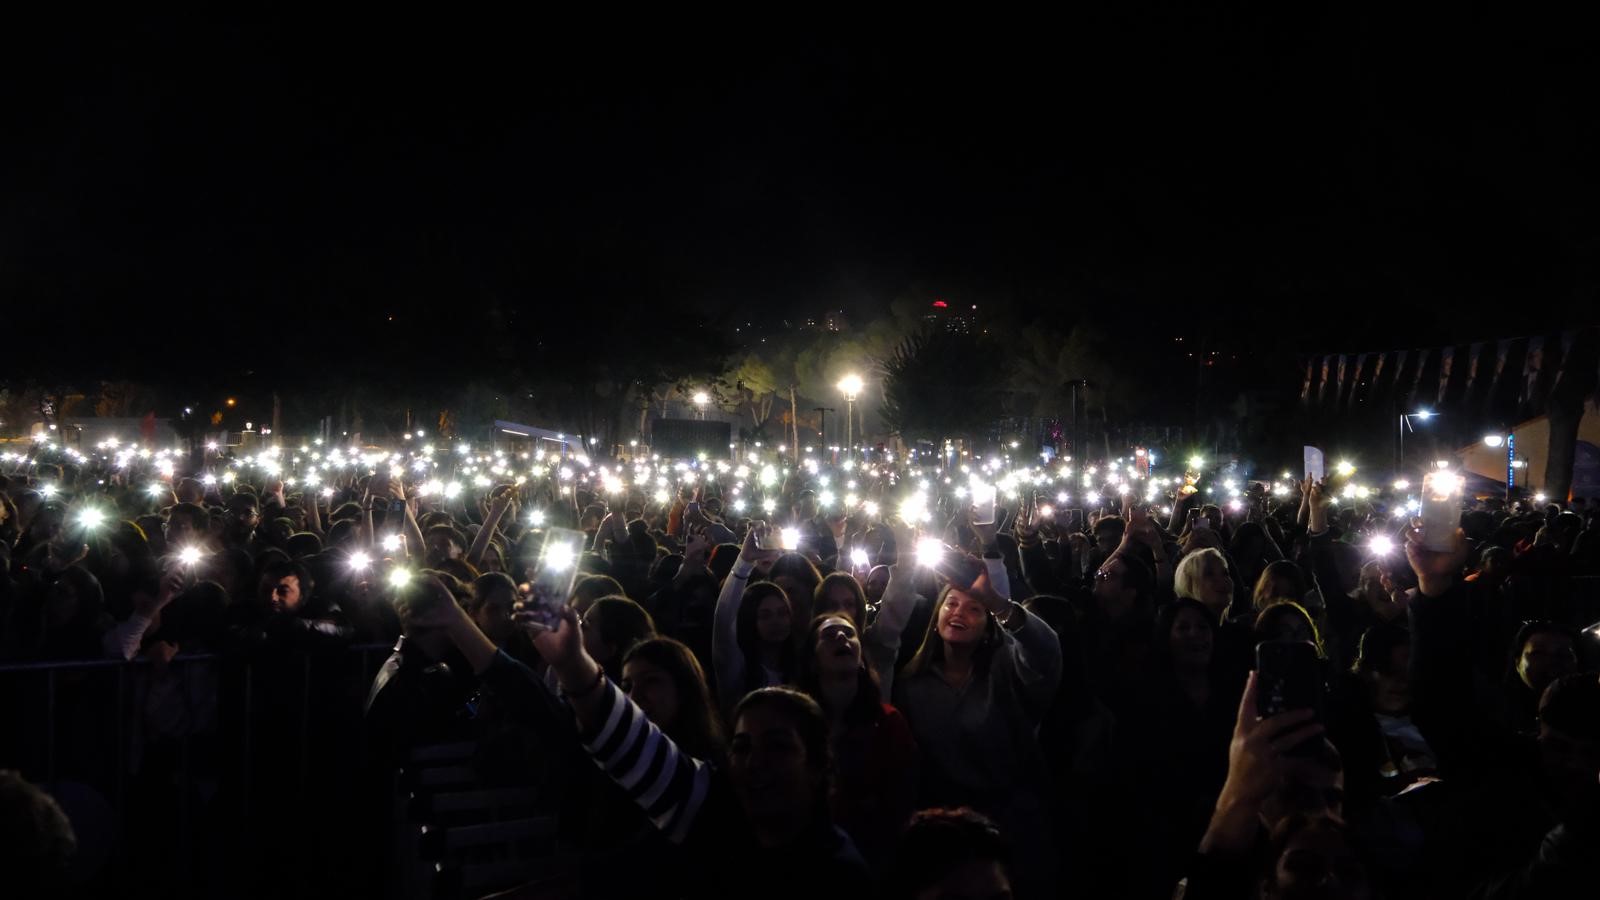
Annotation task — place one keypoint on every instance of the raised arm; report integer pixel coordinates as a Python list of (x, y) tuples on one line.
[(726, 656), (670, 786), (491, 521)]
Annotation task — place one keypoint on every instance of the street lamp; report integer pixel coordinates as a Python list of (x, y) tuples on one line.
[(1405, 425), (851, 386), (701, 398)]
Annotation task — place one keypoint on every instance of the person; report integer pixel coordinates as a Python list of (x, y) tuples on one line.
[(752, 639), (242, 517), (663, 678), (799, 579), (37, 852), (1203, 576), (761, 820), (610, 629), (1175, 738), (975, 693), (1382, 667), (840, 592), (875, 753), (1541, 652), (1528, 792), (950, 854), (1266, 787)]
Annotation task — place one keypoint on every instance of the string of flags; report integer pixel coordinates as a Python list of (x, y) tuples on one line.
[(1519, 373)]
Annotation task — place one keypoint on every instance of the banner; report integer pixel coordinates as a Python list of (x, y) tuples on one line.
[(1530, 370), (1501, 353), (1446, 361), (1338, 386), (1322, 389), (1377, 373), (1475, 355), (1561, 364), (1305, 389), (1355, 379), (1416, 380)]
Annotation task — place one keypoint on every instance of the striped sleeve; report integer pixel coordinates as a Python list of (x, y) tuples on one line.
[(668, 784)]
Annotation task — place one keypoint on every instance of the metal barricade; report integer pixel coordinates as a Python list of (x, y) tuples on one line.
[(88, 722)]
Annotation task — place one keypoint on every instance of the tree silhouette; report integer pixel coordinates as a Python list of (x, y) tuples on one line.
[(939, 384)]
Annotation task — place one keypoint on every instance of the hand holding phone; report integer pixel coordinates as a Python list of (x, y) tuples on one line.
[(1289, 678), (554, 575)]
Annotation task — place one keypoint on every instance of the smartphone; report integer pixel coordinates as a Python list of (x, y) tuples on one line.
[(959, 569), (1441, 509), (1074, 521), (1289, 677), (554, 574), (395, 508), (1201, 523), (983, 496)]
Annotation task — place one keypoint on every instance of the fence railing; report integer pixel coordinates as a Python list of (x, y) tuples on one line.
[(194, 726)]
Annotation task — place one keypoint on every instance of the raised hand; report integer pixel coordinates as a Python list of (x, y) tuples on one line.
[(1437, 570)]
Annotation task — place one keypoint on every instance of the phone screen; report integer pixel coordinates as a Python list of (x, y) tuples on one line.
[(554, 574), (1441, 509)]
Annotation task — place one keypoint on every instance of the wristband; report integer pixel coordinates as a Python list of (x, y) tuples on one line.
[(600, 678)]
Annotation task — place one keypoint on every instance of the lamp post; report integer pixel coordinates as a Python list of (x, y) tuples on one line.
[(701, 398), (851, 386), (1405, 425)]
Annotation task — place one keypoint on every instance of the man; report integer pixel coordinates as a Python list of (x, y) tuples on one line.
[(39, 844), (817, 538), (240, 521)]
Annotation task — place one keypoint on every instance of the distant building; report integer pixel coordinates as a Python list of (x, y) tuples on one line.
[(953, 317)]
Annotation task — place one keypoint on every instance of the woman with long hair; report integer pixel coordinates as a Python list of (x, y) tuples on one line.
[(975, 693), (752, 629), (874, 752)]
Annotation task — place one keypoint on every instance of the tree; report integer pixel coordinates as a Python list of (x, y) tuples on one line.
[(939, 384)]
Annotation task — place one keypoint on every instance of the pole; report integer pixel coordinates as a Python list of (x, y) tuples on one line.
[(849, 425)]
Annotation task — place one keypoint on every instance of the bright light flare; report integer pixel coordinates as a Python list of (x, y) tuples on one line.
[(360, 561), (189, 555), (858, 558), (1381, 545), (559, 557), (929, 551)]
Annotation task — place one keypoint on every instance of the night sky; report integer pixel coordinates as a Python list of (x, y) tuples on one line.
[(270, 190)]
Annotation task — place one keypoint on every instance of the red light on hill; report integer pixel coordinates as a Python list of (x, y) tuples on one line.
[(940, 304)]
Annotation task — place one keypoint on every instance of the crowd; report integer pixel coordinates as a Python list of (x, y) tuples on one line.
[(862, 678)]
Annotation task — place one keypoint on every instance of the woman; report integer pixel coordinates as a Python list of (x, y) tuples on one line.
[(1284, 580), (840, 592), (752, 641), (1286, 620), (759, 823), (610, 629), (975, 693), (1203, 576), (875, 754), (799, 579), (1176, 747), (663, 678)]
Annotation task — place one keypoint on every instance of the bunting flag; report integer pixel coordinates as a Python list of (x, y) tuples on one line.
[(1355, 379), (1322, 388), (1530, 370), (1474, 356), (1446, 361), (1566, 354), (1502, 351), (1399, 373), (1377, 372), (1305, 389), (1338, 386), (1416, 380)]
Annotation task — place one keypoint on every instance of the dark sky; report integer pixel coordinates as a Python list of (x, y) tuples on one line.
[(1343, 181)]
